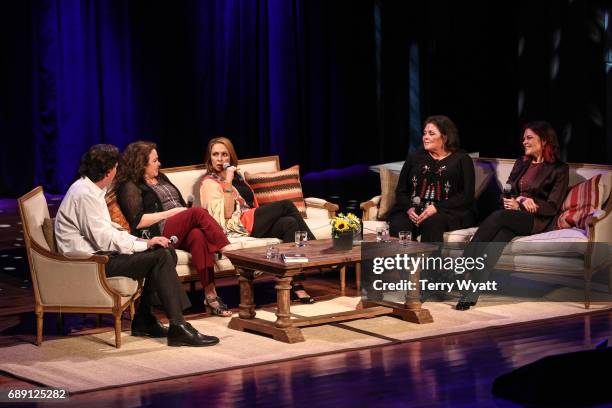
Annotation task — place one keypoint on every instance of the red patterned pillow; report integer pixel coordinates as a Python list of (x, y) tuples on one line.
[(580, 202), (115, 211), (278, 185)]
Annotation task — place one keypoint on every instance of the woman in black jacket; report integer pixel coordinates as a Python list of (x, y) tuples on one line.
[(435, 191), (539, 185), (153, 206)]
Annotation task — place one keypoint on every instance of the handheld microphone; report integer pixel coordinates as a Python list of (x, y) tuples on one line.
[(416, 204), (507, 190), (173, 240), (227, 166), (189, 201)]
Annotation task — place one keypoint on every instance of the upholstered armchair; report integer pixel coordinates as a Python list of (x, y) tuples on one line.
[(75, 283)]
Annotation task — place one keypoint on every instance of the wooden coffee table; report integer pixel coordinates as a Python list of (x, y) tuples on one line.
[(320, 253)]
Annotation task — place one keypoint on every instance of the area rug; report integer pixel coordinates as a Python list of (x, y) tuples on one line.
[(90, 362)]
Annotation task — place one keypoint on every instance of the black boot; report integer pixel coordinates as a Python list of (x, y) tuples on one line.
[(185, 334), (146, 325), (466, 301)]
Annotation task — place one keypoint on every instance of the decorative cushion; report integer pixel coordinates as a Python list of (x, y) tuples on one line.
[(582, 200), (115, 211), (388, 184), (569, 242), (460, 235), (48, 229), (278, 185)]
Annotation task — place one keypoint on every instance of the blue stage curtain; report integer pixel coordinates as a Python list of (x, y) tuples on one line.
[(82, 77), (294, 78)]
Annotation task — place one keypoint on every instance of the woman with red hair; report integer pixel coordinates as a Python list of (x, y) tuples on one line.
[(539, 185)]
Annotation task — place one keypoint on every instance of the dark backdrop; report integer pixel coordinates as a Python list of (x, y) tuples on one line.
[(326, 84)]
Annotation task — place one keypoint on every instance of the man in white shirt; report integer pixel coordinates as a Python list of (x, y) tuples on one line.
[(83, 225)]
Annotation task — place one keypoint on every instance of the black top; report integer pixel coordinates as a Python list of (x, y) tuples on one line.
[(244, 190), (448, 184), (136, 200), (548, 188)]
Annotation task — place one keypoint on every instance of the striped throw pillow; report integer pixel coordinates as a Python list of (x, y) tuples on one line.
[(582, 200), (278, 185), (114, 210)]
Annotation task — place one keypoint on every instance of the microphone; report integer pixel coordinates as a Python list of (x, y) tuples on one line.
[(416, 204), (189, 201), (173, 240), (227, 166), (507, 190)]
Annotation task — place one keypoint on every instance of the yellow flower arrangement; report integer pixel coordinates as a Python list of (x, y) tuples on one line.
[(345, 223)]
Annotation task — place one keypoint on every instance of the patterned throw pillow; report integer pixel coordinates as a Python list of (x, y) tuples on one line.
[(388, 184), (115, 211), (48, 228), (278, 185), (580, 202)]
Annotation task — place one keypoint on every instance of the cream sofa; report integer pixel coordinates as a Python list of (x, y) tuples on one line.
[(571, 252), (187, 180)]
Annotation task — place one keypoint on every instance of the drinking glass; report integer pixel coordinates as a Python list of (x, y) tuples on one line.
[(300, 238), (404, 238), (271, 252), (382, 234)]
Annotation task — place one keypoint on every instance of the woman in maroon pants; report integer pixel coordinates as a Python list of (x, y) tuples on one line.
[(153, 206)]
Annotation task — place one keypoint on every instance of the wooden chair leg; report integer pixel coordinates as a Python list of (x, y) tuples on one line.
[(342, 279), (39, 328), (132, 311), (118, 330)]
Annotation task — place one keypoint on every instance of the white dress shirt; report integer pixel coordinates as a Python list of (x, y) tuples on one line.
[(83, 223)]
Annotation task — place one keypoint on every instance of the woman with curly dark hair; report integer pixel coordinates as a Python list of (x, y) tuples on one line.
[(153, 206)]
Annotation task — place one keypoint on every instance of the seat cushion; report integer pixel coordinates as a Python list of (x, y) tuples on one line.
[(571, 242), (280, 185), (125, 286)]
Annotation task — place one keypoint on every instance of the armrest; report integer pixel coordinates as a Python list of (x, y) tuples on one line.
[(74, 282), (369, 208), (599, 226), (313, 202), (76, 257)]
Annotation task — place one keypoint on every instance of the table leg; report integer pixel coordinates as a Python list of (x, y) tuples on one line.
[(358, 277), (410, 310), (413, 310), (286, 331), (343, 279), (247, 303)]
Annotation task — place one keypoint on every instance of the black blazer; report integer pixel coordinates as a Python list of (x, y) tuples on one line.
[(138, 199), (548, 189)]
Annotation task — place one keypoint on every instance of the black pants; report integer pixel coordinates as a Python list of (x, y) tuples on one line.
[(158, 267), (280, 219), (431, 230), (501, 226)]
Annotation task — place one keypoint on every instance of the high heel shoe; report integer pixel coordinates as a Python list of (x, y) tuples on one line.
[(307, 300), (215, 306)]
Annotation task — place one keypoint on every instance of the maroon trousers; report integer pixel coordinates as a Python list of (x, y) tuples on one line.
[(201, 235)]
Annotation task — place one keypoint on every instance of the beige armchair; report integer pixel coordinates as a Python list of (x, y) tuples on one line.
[(69, 284)]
